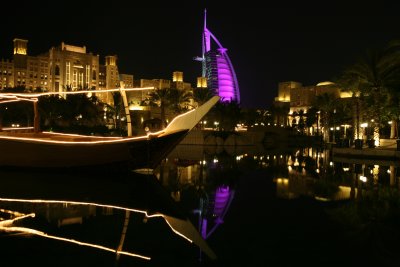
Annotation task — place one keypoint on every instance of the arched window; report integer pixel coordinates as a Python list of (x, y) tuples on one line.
[(57, 71)]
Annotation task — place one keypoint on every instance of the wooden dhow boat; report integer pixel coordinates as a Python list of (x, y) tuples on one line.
[(58, 150)]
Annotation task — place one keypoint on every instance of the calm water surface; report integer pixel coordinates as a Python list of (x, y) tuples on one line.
[(253, 207)]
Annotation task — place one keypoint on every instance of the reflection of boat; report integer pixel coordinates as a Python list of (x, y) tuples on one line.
[(98, 209), (39, 149)]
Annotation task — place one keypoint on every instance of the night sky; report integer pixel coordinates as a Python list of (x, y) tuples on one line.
[(295, 41)]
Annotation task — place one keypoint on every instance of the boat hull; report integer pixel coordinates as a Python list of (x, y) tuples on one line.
[(135, 153)]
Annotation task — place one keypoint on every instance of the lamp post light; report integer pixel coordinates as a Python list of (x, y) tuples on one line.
[(334, 128), (216, 123)]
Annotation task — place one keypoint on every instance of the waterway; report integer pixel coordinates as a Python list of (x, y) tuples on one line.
[(245, 206)]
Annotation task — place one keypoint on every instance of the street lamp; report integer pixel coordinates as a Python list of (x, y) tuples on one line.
[(334, 128)]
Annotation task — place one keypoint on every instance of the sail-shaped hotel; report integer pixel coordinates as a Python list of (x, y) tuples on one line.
[(217, 67)]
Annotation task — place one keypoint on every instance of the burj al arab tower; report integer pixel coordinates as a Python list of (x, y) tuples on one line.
[(217, 67)]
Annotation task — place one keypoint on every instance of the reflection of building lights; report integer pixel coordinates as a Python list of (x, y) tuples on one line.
[(346, 169), (331, 163), (215, 160), (324, 199), (284, 181), (363, 178), (289, 162), (296, 162), (317, 170), (388, 171), (364, 125)]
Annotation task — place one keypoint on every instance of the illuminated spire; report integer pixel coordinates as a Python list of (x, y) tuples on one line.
[(205, 19)]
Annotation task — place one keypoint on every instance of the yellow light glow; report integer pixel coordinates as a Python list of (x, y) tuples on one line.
[(6, 223), (133, 107), (19, 128), (325, 83), (284, 181), (321, 198), (80, 135)]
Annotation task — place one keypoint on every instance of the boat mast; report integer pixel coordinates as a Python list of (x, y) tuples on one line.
[(127, 112), (36, 121)]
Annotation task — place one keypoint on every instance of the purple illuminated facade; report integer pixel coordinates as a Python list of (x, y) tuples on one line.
[(217, 68)]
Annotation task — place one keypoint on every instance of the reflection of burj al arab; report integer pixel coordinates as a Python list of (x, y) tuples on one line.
[(217, 68)]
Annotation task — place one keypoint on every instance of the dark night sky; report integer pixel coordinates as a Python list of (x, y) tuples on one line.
[(296, 41)]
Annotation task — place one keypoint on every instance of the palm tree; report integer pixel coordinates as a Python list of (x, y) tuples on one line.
[(160, 96), (226, 115), (375, 76), (311, 118), (280, 114), (179, 99), (51, 109), (326, 104), (201, 95), (301, 124)]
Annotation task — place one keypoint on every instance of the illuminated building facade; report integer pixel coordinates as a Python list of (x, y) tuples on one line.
[(62, 67), (126, 80), (71, 66), (217, 68), (24, 70), (201, 82), (300, 97)]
